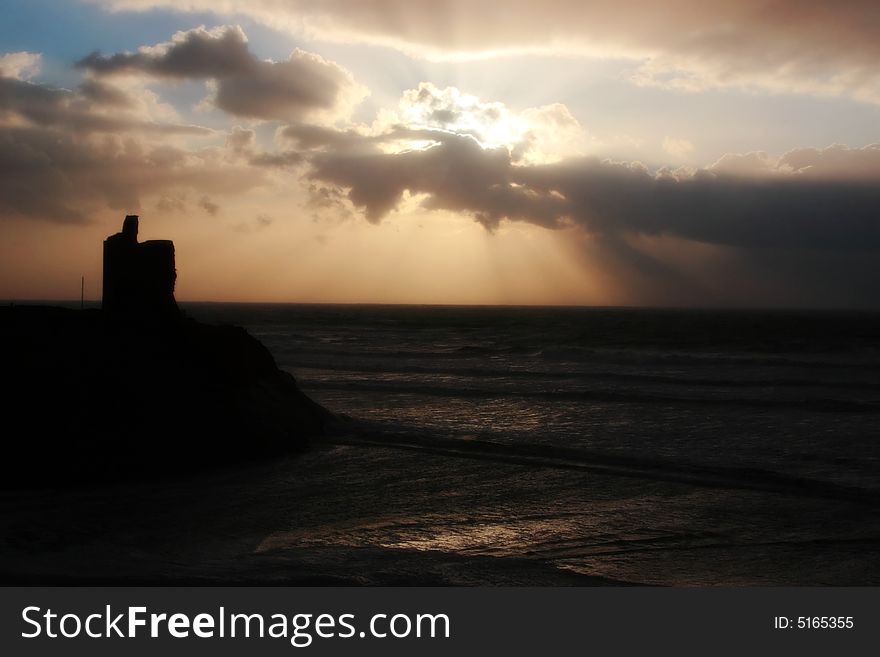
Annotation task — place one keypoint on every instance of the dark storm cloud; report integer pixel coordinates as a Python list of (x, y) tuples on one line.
[(246, 86), (778, 211), (795, 209), (458, 175)]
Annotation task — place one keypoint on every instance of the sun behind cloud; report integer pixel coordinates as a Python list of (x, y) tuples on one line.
[(324, 142)]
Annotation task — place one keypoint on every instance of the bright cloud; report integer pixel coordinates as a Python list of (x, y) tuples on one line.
[(819, 48), (539, 134), (20, 65), (678, 148)]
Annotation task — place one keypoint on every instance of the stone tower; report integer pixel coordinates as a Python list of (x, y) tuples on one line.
[(139, 277)]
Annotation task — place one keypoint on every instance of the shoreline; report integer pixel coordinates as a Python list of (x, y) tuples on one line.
[(90, 536), (349, 516)]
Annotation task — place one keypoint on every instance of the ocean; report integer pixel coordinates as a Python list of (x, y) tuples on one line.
[(671, 447)]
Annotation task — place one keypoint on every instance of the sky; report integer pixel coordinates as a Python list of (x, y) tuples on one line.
[(567, 152)]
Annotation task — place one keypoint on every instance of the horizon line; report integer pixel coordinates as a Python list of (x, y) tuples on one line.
[(92, 303)]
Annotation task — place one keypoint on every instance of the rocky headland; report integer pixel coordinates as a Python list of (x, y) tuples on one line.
[(137, 388)]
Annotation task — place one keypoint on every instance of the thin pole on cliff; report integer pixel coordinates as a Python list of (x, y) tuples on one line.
[(82, 293)]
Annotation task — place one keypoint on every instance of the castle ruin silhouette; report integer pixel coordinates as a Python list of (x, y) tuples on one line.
[(139, 277)]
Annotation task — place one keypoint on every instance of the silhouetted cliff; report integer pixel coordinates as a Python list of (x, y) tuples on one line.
[(136, 387), (97, 396)]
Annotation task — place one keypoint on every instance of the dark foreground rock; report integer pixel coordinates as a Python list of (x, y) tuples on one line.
[(96, 397)]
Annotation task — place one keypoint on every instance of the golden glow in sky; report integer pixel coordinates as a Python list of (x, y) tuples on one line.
[(367, 152)]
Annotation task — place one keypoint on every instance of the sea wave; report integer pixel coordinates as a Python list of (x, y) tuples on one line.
[(548, 456), (829, 405)]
